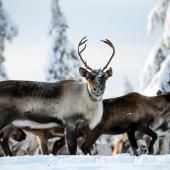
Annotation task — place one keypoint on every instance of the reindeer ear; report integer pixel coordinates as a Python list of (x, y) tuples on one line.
[(108, 73), (83, 72)]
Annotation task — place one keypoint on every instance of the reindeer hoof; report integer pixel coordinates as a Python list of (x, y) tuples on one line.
[(150, 151), (136, 153), (140, 151), (86, 150)]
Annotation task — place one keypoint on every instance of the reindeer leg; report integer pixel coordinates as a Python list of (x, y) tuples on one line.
[(58, 144), (152, 134), (5, 147), (4, 139), (133, 143), (71, 137), (90, 139), (87, 145), (5, 119), (43, 144)]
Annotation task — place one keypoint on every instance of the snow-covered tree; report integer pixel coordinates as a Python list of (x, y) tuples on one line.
[(8, 31), (160, 14), (157, 14), (156, 72), (63, 62), (160, 80)]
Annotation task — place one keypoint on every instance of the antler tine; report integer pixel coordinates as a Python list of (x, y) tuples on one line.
[(108, 42), (83, 41)]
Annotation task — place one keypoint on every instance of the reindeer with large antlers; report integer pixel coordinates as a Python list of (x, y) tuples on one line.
[(72, 104)]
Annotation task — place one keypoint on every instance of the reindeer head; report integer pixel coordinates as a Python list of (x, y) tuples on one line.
[(96, 78)]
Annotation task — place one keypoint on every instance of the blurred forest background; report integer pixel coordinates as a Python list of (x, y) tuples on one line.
[(40, 28), (38, 41)]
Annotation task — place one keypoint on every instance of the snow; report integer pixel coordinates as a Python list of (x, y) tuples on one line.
[(159, 82), (120, 162)]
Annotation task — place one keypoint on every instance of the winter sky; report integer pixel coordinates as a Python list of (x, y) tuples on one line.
[(122, 21)]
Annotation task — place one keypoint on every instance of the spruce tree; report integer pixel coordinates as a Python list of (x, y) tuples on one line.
[(160, 52), (63, 62), (8, 31)]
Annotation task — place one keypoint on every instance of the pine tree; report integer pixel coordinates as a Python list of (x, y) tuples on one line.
[(159, 15), (8, 31), (63, 62)]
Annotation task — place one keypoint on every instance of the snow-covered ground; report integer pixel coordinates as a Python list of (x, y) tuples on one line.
[(80, 162)]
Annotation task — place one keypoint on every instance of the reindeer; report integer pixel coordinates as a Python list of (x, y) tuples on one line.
[(68, 103), (128, 114)]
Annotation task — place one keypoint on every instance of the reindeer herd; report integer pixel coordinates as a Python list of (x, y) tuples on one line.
[(71, 109)]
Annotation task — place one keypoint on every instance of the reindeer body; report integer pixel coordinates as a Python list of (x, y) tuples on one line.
[(133, 108)]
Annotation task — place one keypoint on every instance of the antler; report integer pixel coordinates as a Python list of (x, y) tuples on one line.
[(108, 42), (83, 41)]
